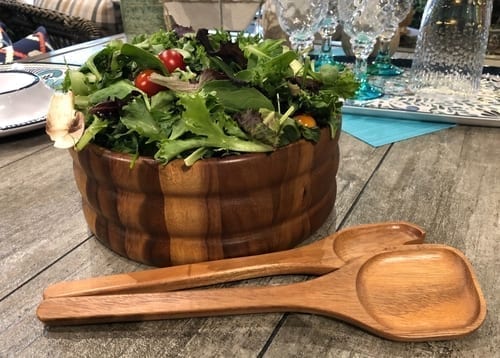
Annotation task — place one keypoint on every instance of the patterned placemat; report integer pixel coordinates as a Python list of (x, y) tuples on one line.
[(399, 103)]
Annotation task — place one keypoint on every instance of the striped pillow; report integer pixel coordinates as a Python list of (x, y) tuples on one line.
[(105, 13)]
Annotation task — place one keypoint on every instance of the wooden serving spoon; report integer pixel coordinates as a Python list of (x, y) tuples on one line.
[(411, 293), (317, 258)]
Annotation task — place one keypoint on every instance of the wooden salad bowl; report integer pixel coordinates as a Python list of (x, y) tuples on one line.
[(239, 205)]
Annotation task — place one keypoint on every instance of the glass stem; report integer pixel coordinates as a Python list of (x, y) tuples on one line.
[(384, 55), (360, 71), (326, 45)]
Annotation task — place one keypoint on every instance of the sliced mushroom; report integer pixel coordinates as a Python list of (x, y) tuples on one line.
[(64, 125)]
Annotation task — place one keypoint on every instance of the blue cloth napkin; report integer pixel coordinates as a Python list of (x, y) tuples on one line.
[(378, 131)]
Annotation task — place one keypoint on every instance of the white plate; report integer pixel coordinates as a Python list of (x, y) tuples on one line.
[(52, 75)]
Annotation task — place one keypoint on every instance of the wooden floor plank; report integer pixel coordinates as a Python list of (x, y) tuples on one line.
[(40, 215), (20, 145)]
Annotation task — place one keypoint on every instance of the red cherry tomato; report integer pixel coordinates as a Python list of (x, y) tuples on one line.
[(143, 82), (172, 60)]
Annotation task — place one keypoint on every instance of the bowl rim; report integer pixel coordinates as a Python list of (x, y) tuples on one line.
[(35, 81)]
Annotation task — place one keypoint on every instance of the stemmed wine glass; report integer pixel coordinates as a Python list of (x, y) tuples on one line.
[(301, 19), (327, 29), (382, 65), (362, 21)]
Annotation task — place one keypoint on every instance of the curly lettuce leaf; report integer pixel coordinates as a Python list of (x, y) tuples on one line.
[(206, 131)]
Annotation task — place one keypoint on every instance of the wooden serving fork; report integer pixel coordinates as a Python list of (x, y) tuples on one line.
[(318, 258)]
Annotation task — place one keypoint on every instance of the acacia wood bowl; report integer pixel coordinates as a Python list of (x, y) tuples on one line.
[(239, 205)]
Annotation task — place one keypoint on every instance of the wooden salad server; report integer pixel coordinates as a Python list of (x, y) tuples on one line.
[(317, 258), (410, 293)]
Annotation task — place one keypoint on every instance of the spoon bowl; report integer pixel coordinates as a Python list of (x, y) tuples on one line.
[(429, 293)]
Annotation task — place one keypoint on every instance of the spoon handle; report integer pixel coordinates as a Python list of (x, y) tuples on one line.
[(166, 305), (314, 259), (333, 295)]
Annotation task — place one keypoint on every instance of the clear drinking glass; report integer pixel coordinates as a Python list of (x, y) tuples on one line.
[(382, 65), (327, 29), (363, 22), (451, 47), (301, 19)]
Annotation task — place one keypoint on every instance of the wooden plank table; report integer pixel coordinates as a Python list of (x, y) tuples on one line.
[(448, 182)]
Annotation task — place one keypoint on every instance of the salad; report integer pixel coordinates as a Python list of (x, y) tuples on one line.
[(196, 95)]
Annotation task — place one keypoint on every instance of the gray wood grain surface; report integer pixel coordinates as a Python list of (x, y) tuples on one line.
[(447, 182), (18, 146)]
